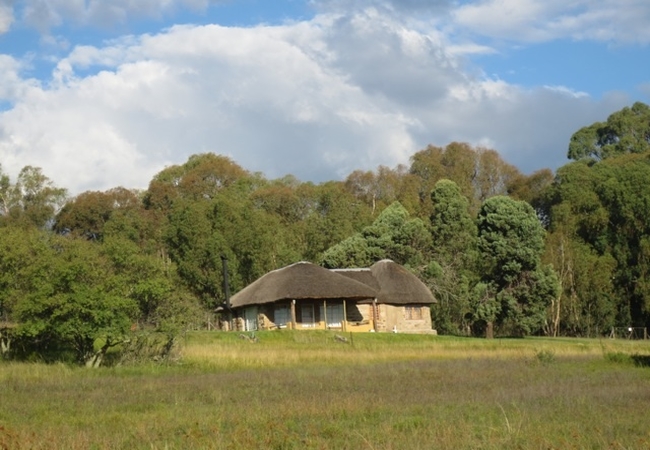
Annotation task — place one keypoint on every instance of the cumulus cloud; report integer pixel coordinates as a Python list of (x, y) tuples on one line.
[(6, 15), (316, 99), (254, 94), (544, 20), (47, 14), (406, 6)]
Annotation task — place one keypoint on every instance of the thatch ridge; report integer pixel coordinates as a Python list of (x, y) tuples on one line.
[(395, 284), (301, 280), (363, 275)]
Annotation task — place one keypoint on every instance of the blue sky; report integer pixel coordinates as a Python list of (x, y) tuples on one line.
[(103, 93)]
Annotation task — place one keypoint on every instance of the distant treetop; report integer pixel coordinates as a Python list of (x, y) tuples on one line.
[(625, 131)]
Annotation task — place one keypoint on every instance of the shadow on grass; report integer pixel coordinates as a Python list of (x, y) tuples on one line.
[(641, 360)]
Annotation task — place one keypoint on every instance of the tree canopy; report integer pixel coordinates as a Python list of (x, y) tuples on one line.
[(625, 131), (518, 287), (564, 253)]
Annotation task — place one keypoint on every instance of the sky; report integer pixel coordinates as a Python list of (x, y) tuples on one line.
[(107, 93)]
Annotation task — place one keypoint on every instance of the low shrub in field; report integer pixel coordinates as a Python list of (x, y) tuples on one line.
[(147, 347), (545, 357), (618, 357)]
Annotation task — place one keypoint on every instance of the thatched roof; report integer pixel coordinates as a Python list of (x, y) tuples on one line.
[(399, 286), (363, 275), (302, 280), (396, 285)]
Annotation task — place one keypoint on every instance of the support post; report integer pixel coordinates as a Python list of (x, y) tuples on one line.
[(375, 315), (345, 317), (325, 312), (293, 314)]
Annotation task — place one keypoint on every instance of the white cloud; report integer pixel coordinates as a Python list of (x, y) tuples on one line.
[(317, 99), (409, 6), (254, 94), (47, 14), (6, 15), (543, 20), (13, 87), (470, 48), (567, 91)]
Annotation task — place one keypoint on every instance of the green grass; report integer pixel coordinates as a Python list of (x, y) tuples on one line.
[(308, 390)]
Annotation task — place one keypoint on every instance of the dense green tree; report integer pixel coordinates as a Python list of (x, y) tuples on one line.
[(384, 186), (479, 173), (452, 270), (200, 232), (493, 176), (332, 215), (625, 196), (196, 248), (596, 312), (511, 238), (600, 205), (20, 252), (69, 298), (32, 201), (577, 246), (87, 213), (393, 235), (281, 200), (625, 131), (511, 241), (202, 177), (533, 189), (72, 299)]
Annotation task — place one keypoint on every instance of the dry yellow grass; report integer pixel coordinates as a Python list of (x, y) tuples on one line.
[(228, 350), (293, 390)]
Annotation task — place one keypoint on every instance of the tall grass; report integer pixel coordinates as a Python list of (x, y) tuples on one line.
[(309, 390)]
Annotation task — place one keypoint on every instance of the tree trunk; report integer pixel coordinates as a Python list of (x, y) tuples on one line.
[(5, 344), (489, 330), (95, 360)]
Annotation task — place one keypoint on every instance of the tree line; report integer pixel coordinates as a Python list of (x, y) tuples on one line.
[(565, 253)]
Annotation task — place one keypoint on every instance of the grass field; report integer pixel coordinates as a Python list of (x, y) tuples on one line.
[(307, 390)]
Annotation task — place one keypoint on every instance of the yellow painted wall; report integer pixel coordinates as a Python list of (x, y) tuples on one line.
[(390, 318)]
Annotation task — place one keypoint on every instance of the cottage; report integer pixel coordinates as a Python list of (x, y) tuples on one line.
[(384, 297)]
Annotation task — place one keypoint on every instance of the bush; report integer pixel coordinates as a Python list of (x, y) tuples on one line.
[(545, 357), (149, 347), (618, 357)]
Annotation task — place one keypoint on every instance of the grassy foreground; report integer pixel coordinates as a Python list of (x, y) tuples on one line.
[(307, 390)]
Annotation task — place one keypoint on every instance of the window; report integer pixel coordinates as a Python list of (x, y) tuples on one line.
[(413, 313), (282, 315), (307, 316), (334, 315)]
